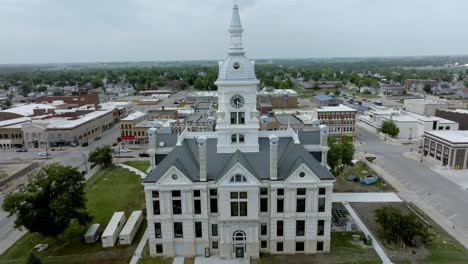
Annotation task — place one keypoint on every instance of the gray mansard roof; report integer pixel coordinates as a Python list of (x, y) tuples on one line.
[(290, 157)]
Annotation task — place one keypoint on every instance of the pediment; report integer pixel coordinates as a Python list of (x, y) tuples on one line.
[(250, 179), (302, 175), (174, 176)]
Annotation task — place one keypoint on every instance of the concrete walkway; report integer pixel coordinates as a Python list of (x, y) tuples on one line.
[(178, 260), (385, 197), (366, 231), (137, 255), (218, 260), (130, 168)]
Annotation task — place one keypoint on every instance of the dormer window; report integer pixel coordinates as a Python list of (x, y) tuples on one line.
[(238, 178)]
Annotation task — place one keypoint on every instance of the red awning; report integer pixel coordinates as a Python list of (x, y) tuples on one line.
[(127, 138)]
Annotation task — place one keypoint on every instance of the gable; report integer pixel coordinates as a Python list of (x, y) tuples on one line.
[(178, 179), (225, 179), (302, 175)]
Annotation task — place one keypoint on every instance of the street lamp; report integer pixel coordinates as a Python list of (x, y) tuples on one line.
[(85, 162), (421, 150), (409, 139)]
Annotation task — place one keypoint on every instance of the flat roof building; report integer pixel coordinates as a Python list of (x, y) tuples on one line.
[(448, 148)]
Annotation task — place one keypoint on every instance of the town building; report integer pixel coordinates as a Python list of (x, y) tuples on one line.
[(26, 110), (411, 125), (447, 148), (339, 119), (71, 100), (463, 93), (424, 106), (236, 192), (11, 135), (417, 85), (278, 98), (458, 115), (129, 132), (326, 100)]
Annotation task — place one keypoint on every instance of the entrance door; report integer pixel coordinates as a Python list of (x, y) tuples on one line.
[(239, 251)]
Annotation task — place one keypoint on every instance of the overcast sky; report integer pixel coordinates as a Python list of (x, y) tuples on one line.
[(42, 31)]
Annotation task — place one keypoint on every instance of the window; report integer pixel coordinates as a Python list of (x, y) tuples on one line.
[(300, 205), (238, 203), (300, 228), (320, 227), (233, 118), (214, 229), (322, 191), (263, 229), (280, 205), (197, 206), (301, 200), (241, 138), (279, 246), (234, 138), (299, 246), (279, 228), (175, 193), (301, 191), (214, 245), (263, 200), (302, 174), (196, 193), (178, 230), (156, 209), (213, 201), (241, 118), (321, 204), (159, 248), (157, 230), (263, 244), (198, 229), (319, 245), (155, 194), (238, 178), (177, 207)]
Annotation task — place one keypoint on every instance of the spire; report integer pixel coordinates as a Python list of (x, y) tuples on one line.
[(235, 29)]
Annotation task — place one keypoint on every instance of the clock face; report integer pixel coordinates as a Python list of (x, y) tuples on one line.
[(237, 101)]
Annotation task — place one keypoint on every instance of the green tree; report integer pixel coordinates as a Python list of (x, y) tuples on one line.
[(334, 154), (97, 82), (347, 150), (25, 88), (33, 259), (199, 84), (101, 156), (389, 128), (427, 88), (466, 82), (341, 153), (50, 199), (398, 227)]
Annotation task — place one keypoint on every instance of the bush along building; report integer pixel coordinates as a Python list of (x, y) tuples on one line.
[(236, 192)]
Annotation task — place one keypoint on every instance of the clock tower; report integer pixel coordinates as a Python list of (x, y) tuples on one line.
[(237, 125)]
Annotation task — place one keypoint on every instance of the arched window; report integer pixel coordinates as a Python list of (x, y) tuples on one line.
[(239, 236), (238, 178)]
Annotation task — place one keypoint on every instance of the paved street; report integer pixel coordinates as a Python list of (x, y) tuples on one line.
[(439, 197)]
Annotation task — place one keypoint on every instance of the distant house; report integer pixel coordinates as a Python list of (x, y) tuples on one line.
[(463, 93), (326, 100)]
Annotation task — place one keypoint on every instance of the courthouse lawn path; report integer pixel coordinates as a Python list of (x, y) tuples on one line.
[(109, 190), (141, 165)]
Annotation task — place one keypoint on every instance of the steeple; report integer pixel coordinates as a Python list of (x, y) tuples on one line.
[(235, 29)]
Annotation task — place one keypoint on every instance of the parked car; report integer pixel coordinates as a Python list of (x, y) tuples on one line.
[(74, 144), (143, 155), (97, 138), (22, 150), (43, 154), (125, 150)]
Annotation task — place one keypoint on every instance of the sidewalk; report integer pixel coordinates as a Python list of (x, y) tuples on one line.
[(366, 197), (130, 168), (141, 245)]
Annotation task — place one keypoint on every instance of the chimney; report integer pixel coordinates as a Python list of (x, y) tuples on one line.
[(201, 141), (273, 157), (324, 130), (152, 145)]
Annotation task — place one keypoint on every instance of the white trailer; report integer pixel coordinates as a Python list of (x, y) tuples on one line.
[(131, 228), (111, 233)]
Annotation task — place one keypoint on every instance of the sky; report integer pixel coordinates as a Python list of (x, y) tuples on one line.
[(58, 31)]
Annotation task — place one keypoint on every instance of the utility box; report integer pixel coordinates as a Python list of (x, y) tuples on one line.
[(93, 234), (131, 228), (112, 231)]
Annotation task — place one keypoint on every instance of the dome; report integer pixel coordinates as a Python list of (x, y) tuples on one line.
[(237, 68)]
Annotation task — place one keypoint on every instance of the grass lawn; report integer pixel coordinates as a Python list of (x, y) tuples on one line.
[(155, 260), (360, 169), (109, 190), (141, 165), (440, 250), (342, 251), (3, 174)]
